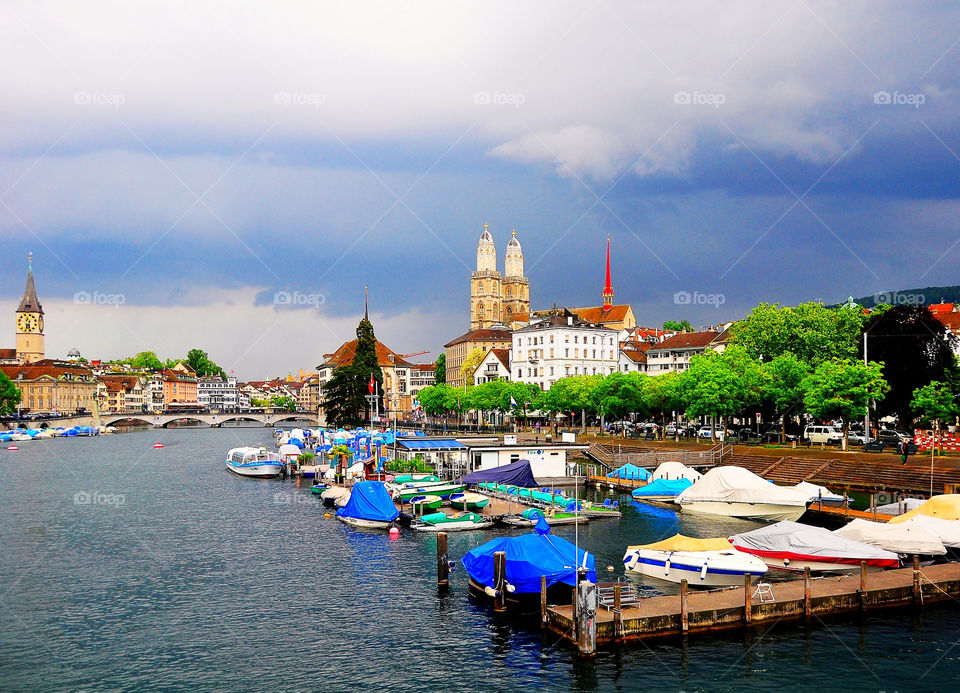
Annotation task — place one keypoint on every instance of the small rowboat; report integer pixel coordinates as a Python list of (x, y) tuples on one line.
[(469, 501), (422, 503), (441, 522), (552, 520)]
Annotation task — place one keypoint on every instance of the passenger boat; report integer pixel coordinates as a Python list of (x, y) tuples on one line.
[(421, 503), (792, 547), (441, 522), (730, 491), (701, 562), (256, 462), (469, 501), (369, 507)]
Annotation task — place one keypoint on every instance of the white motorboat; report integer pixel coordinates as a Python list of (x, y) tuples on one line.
[(905, 538), (336, 495), (821, 495), (792, 547), (255, 462), (730, 491), (701, 562)]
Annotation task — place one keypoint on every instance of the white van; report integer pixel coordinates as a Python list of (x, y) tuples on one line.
[(831, 435)]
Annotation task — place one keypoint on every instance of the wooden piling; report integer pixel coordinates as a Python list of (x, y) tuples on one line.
[(443, 567), (543, 601), (616, 596), (863, 583), (586, 624), (746, 598), (684, 615), (807, 607), (917, 596), (500, 581)]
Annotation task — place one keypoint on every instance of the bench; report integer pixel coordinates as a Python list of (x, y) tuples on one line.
[(753, 440)]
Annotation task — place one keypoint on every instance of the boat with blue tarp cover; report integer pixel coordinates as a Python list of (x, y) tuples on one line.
[(662, 489), (369, 506)]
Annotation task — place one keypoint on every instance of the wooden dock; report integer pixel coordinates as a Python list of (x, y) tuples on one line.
[(695, 611)]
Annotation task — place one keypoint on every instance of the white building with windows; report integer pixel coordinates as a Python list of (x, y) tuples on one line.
[(218, 394), (562, 345)]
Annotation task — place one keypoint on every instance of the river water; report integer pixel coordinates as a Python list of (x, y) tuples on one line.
[(126, 568)]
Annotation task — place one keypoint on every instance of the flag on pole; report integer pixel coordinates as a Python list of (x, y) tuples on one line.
[(370, 384), (513, 403)]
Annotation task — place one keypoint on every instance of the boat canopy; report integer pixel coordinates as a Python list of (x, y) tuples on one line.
[(945, 507), (369, 500), (514, 474), (663, 487), (818, 492), (795, 540), (894, 508), (731, 484), (528, 557), (629, 471), (678, 542), (675, 470), (906, 538), (289, 450)]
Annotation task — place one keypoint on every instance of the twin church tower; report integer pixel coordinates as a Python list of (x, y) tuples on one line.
[(495, 298)]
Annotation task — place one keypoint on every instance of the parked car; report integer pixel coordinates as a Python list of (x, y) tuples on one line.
[(889, 436), (831, 435), (857, 438), (704, 432)]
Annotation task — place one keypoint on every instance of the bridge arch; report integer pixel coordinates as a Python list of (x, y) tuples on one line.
[(111, 420), (279, 418)]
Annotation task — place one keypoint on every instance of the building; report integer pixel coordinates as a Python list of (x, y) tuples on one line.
[(547, 460), (674, 353), (421, 375), (633, 357), (179, 387), (53, 387), (560, 346), (495, 366), (216, 393), (121, 394), (29, 325), (485, 339), (496, 298)]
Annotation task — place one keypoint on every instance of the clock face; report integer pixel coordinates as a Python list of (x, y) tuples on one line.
[(27, 322)]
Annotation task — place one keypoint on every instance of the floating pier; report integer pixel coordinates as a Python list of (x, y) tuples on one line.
[(694, 611)]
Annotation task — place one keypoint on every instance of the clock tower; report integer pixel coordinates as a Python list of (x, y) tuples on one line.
[(30, 322)]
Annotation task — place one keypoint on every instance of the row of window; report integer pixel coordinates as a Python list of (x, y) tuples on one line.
[(566, 338), (538, 354)]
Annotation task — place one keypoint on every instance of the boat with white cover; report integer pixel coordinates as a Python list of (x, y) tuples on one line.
[(730, 491), (907, 538), (254, 462), (821, 495), (793, 547), (701, 562)]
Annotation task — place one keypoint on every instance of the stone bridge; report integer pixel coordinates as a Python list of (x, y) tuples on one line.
[(163, 420)]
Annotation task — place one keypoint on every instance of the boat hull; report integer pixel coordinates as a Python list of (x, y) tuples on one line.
[(442, 490), (365, 524), (798, 564), (451, 526), (517, 521), (765, 512), (724, 569), (256, 471)]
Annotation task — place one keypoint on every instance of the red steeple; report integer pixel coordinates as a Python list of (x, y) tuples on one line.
[(608, 288)]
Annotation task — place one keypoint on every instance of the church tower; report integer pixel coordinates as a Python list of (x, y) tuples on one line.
[(607, 287), (485, 284), (30, 322), (515, 292)]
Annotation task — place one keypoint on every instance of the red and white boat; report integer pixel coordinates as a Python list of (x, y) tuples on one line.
[(792, 546)]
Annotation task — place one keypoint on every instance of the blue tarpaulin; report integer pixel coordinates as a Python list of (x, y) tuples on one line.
[(528, 557), (514, 474), (369, 500), (630, 471), (663, 487)]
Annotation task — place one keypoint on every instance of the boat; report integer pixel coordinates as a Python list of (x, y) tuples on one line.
[(528, 557), (369, 506), (443, 489), (318, 489), (902, 506), (531, 516), (731, 491), (945, 507), (335, 495), (792, 547), (256, 462), (415, 478), (661, 489), (21, 437), (907, 538), (469, 501), (421, 503), (441, 522), (671, 471), (158, 445), (821, 495), (605, 509), (701, 562)]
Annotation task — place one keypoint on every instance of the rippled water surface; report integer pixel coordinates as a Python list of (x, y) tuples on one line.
[(127, 568)]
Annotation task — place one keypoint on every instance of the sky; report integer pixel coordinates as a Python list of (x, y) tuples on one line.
[(230, 176)]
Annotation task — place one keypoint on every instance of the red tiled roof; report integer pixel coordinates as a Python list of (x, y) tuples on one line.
[(117, 382), (424, 367), (46, 368), (938, 308), (950, 320), (386, 357), (597, 315), (486, 334), (687, 340), (503, 356), (635, 355), (8, 353)]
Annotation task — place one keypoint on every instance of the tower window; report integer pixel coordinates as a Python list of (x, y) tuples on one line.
[(479, 287)]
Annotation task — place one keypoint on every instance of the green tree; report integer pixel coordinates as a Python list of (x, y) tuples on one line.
[(345, 394), (255, 402), (935, 402), (783, 385), (283, 403), (662, 393), (714, 386), (440, 369), (432, 399), (470, 365), (10, 395), (147, 359), (677, 326), (619, 394), (198, 360), (843, 388), (571, 394), (811, 332)]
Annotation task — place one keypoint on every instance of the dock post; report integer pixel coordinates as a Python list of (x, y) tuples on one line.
[(586, 624), (807, 608), (746, 598), (684, 617), (543, 601), (917, 597), (616, 596), (863, 584), (443, 567), (500, 581)]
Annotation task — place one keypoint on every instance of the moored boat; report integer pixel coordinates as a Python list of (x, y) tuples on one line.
[(661, 489), (335, 495), (530, 517), (369, 507), (428, 502), (730, 491), (469, 501), (444, 489), (254, 462), (441, 522), (701, 562)]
